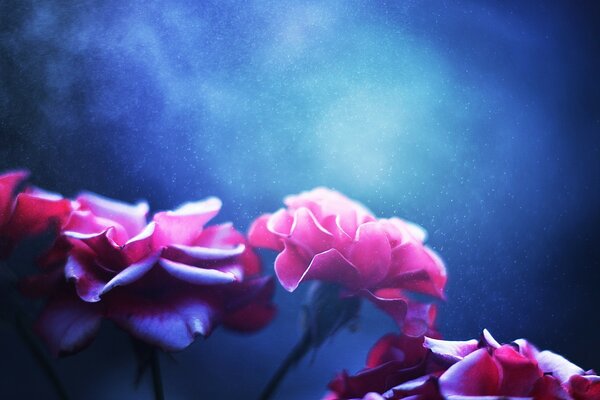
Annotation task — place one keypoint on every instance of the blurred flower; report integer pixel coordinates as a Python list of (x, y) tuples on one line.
[(324, 236), (28, 213), (469, 369), (164, 282)]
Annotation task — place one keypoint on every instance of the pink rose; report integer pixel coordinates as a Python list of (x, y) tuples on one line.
[(164, 281), (28, 213), (324, 236)]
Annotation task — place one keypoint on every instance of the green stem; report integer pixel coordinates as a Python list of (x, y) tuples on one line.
[(293, 357), (156, 376), (39, 355)]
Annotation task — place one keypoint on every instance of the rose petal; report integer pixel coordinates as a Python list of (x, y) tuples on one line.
[(170, 321), (280, 223), (585, 387), (183, 225), (33, 215), (417, 268), (449, 352), (423, 388), (105, 249), (68, 324), (85, 222), (527, 349), (195, 254), (222, 236), (196, 275), (409, 351), (260, 236), (131, 216), (140, 246), (329, 266), (371, 253), (475, 375), (557, 365), (88, 278), (487, 340), (307, 234), (549, 388), (377, 379), (519, 373), (130, 274)]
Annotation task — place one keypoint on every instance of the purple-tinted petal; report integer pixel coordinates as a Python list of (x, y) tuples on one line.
[(88, 278), (131, 217), (130, 274), (487, 340), (371, 253), (68, 324), (193, 254), (197, 275), (557, 365), (170, 322), (449, 352), (475, 375), (184, 225)]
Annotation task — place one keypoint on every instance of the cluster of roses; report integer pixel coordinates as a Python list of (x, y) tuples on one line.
[(171, 278)]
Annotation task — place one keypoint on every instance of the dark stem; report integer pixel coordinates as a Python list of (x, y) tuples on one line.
[(156, 377), (294, 356), (41, 358)]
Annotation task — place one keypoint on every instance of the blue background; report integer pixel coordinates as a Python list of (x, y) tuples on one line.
[(478, 120)]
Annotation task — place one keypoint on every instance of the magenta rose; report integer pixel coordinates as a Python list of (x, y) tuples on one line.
[(26, 214), (324, 236), (164, 281), (465, 369)]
